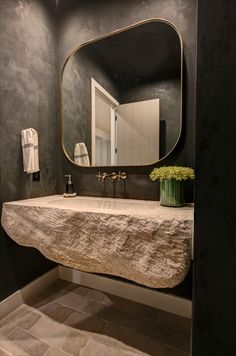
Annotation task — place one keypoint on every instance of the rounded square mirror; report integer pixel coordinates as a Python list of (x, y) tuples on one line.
[(122, 96)]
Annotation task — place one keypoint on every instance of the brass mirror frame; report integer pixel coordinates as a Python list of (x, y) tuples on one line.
[(123, 29)]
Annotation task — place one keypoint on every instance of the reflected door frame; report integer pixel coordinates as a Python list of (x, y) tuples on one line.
[(97, 88)]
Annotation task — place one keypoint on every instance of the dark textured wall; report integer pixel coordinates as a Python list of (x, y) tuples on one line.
[(79, 70), (214, 307), (81, 21), (28, 98)]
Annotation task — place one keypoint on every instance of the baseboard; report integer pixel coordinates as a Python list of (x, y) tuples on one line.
[(10, 303), (39, 284), (30, 290), (167, 302)]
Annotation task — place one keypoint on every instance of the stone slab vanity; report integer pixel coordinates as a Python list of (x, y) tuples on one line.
[(134, 239)]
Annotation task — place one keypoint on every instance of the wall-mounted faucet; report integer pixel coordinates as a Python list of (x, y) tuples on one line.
[(114, 176)]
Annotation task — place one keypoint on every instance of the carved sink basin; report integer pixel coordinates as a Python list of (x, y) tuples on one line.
[(89, 203), (134, 239)]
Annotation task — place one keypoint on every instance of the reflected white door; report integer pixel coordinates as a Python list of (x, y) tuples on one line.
[(102, 131), (138, 126)]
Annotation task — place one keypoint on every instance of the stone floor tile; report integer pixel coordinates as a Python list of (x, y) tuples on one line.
[(102, 346), (123, 348), (92, 294), (56, 311), (71, 286), (16, 313), (163, 334), (50, 331), (46, 297), (121, 303), (55, 352), (24, 320), (81, 290), (119, 317), (92, 347), (84, 321), (142, 343), (5, 329), (173, 352), (96, 295), (52, 293), (95, 309), (76, 318), (91, 324), (133, 353), (25, 343), (73, 301), (62, 284), (112, 330), (74, 342), (147, 312), (175, 321), (10, 348)]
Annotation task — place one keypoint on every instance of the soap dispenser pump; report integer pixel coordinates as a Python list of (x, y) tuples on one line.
[(69, 185)]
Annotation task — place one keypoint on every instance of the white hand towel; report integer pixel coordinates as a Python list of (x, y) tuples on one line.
[(81, 156), (29, 141)]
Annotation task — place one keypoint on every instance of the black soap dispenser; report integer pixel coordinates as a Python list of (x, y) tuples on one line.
[(69, 185)]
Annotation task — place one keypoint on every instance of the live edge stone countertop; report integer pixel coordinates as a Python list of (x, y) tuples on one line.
[(137, 240)]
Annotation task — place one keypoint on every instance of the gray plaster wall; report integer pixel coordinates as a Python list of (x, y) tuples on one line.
[(81, 21), (28, 98)]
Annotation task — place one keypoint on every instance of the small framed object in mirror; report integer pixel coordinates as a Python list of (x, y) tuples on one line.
[(122, 97)]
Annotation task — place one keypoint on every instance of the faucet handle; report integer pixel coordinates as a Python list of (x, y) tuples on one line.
[(114, 175), (122, 175)]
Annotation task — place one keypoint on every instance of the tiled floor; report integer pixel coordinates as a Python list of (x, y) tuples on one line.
[(72, 320)]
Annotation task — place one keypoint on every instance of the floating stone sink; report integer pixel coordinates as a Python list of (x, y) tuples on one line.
[(134, 239)]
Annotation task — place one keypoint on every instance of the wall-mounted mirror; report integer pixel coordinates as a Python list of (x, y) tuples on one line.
[(122, 97)]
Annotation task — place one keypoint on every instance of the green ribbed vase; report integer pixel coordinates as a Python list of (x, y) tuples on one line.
[(172, 192)]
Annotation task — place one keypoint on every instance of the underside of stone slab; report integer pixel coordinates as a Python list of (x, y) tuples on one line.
[(150, 251)]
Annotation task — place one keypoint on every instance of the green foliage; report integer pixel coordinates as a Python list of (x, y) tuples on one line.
[(172, 172)]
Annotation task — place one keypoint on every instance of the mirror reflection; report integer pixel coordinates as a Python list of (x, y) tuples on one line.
[(121, 97)]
